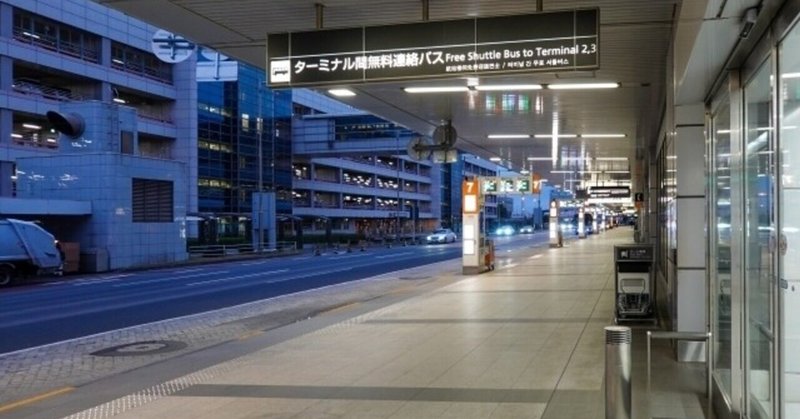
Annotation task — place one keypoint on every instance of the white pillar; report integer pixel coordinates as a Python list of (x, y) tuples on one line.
[(691, 302)]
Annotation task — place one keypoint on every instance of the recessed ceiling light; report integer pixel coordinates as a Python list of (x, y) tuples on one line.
[(559, 136), (540, 158), (436, 89), (496, 87), (612, 158), (32, 126), (574, 86), (341, 92), (495, 159), (507, 136), (603, 135)]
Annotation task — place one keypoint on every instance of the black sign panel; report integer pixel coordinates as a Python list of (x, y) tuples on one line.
[(553, 41), (610, 192)]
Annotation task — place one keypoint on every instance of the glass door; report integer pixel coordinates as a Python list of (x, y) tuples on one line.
[(789, 244), (720, 228), (760, 244)]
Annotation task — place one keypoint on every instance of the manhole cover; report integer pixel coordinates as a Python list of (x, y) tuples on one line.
[(150, 347)]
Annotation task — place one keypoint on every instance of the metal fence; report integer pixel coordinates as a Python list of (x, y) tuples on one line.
[(233, 250)]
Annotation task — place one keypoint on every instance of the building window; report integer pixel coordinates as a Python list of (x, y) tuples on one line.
[(126, 142), (152, 201)]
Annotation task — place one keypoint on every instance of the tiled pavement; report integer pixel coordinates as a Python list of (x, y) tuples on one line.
[(525, 341)]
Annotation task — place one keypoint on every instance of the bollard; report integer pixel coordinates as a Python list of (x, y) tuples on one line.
[(618, 372)]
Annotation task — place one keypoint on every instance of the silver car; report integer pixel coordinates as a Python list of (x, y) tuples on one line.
[(442, 235)]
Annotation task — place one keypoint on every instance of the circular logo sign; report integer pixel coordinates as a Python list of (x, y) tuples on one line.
[(171, 48)]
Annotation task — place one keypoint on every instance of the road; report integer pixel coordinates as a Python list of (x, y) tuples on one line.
[(43, 313)]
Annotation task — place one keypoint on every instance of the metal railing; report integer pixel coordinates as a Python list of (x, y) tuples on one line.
[(229, 250), (691, 336)]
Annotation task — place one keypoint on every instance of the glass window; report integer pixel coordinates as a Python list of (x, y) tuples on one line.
[(790, 220), (759, 235), (721, 245)]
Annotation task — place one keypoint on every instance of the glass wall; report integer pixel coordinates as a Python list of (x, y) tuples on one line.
[(789, 88), (720, 231), (759, 242)]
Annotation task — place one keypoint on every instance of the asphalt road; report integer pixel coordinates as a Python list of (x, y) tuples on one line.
[(43, 313)]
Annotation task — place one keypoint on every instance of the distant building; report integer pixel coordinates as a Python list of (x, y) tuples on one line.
[(352, 176), (239, 119), (452, 176), (122, 189)]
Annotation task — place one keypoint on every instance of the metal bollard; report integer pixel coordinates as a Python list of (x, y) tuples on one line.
[(618, 372)]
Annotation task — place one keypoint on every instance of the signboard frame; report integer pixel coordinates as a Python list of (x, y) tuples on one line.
[(539, 42)]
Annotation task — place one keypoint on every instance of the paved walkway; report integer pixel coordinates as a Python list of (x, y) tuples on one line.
[(525, 341)]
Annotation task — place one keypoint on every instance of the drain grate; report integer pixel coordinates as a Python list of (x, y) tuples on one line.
[(148, 347)]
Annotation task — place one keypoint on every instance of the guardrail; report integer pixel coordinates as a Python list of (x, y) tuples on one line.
[(691, 336), (231, 250)]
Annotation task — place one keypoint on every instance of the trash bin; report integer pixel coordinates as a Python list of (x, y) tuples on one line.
[(633, 282)]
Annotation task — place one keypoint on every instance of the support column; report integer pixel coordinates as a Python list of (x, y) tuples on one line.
[(691, 301)]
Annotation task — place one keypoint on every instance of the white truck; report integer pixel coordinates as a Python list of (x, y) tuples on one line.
[(26, 249)]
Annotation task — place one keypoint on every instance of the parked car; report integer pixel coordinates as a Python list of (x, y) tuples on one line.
[(526, 230), (442, 235)]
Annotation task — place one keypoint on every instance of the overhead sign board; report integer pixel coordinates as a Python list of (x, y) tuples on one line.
[(602, 192), (552, 41)]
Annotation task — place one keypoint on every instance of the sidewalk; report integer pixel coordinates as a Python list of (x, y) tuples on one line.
[(525, 341)]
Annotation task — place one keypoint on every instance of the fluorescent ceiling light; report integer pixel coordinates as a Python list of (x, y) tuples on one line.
[(497, 87), (51, 140), (117, 60), (574, 86), (612, 158), (341, 92), (32, 35), (559, 136), (561, 171), (790, 76), (675, 157), (618, 171), (495, 159), (507, 136), (15, 135), (524, 172), (723, 131), (435, 89), (119, 100), (542, 180), (32, 126), (603, 135), (540, 158)]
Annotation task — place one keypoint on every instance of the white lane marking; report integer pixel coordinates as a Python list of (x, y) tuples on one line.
[(185, 271), (291, 278), (394, 255), (261, 262), (230, 278), (169, 278), (101, 280)]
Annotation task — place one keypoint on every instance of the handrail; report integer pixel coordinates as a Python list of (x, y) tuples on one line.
[(217, 250), (692, 336)]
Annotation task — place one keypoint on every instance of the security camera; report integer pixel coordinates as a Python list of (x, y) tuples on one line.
[(748, 21)]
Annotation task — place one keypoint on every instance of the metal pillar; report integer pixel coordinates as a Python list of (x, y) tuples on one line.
[(618, 372)]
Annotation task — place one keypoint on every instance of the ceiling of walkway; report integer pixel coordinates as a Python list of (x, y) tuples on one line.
[(635, 37)]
